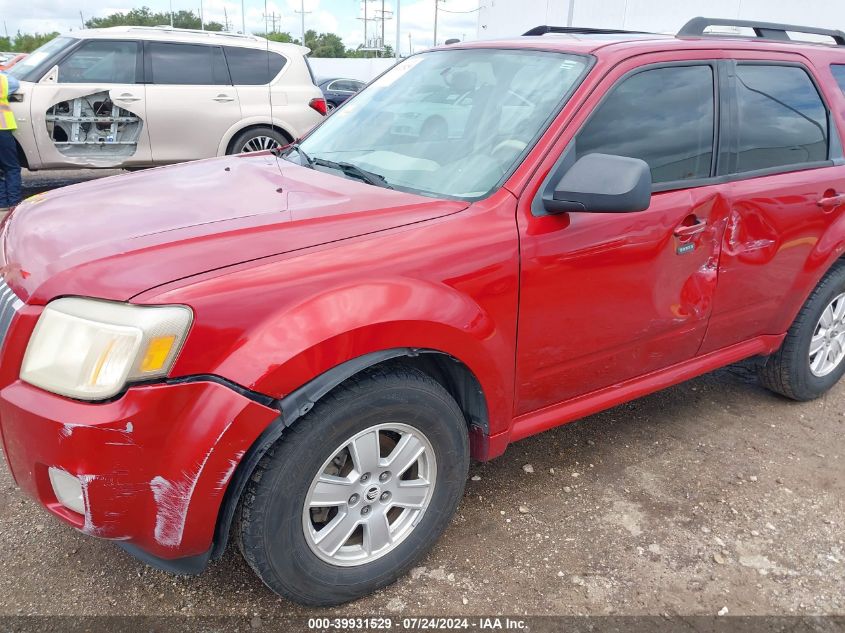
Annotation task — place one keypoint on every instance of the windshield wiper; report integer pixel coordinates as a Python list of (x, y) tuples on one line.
[(294, 147), (349, 169)]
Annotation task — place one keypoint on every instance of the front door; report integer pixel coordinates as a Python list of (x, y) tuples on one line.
[(607, 297), (90, 110)]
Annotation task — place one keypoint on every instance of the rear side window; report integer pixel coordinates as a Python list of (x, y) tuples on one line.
[(187, 64), (782, 119), (838, 71), (102, 62), (253, 67), (663, 116)]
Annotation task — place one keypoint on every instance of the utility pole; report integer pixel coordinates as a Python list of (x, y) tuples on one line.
[(171, 14), (202, 18), (398, 33), (302, 14), (571, 13), (243, 18), (410, 45), (272, 18), (436, 6), (81, 19)]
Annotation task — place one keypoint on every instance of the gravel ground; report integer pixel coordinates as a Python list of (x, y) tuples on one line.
[(711, 496)]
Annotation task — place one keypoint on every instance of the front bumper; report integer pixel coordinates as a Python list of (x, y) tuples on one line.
[(154, 464)]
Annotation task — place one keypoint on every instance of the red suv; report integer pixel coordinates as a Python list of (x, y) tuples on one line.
[(304, 349)]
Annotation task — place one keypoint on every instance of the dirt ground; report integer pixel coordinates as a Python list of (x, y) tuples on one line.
[(711, 496)]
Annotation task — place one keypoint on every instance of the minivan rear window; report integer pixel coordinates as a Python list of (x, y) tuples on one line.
[(253, 67), (187, 64)]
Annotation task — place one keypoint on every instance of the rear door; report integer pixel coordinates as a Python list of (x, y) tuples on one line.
[(191, 102), (782, 156), (90, 110), (607, 297)]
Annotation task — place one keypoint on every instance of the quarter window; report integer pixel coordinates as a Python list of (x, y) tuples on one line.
[(102, 62), (838, 71), (187, 64), (253, 67), (782, 119), (663, 116)]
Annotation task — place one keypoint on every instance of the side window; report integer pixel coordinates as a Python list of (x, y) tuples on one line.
[(187, 64), (253, 67), (663, 116), (838, 71), (782, 119), (101, 61), (357, 86)]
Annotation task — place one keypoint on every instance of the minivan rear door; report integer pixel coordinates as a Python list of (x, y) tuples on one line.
[(191, 103)]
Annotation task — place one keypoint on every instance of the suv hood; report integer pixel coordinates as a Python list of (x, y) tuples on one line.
[(116, 237)]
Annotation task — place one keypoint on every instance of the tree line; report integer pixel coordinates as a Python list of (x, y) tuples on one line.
[(321, 44)]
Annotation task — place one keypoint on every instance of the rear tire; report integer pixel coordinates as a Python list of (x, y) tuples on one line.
[(795, 372), (300, 488), (258, 139)]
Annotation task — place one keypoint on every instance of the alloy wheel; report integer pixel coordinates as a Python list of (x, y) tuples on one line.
[(260, 143), (369, 495), (827, 346)]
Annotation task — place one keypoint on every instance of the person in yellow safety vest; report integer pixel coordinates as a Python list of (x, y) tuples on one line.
[(10, 167)]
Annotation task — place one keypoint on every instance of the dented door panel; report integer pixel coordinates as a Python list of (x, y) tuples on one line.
[(771, 252), (607, 297), (90, 125)]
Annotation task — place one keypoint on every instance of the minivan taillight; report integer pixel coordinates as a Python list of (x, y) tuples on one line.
[(319, 104)]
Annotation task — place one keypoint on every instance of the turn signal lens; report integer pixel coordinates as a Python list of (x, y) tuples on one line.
[(158, 351)]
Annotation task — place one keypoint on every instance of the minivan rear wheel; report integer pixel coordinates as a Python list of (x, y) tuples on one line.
[(356, 491), (258, 139)]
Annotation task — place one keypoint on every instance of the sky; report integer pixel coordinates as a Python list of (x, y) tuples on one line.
[(456, 18)]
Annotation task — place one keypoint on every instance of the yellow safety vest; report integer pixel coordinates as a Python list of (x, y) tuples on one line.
[(7, 117)]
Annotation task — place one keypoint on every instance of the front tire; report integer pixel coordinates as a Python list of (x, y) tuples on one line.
[(811, 358), (358, 490)]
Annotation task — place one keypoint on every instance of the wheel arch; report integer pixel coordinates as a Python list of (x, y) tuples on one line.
[(232, 135), (455, 376)]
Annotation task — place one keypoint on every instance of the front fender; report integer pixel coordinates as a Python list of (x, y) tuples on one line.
[(293, 345)]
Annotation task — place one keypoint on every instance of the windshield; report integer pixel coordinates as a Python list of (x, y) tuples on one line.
[(447, 123), (41, 54)]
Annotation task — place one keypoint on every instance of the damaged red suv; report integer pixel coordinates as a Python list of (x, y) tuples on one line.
[(301, 351)]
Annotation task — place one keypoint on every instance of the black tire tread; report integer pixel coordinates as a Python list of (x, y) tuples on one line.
[(778, 373), (250, 512)]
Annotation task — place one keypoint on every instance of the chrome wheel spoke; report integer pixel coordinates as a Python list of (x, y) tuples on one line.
[(332, 537), (411, 494), (331, 491), (405, 454), (838, 306), (377, 533), (827, 317), (365, 452), (817, 344), (819, 362)]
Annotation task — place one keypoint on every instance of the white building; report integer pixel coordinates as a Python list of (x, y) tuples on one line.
[(507, 18)]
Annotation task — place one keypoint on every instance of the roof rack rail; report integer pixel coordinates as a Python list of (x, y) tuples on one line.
[(543, 29), (763, 30)]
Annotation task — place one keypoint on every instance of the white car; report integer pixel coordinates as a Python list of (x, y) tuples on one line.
[(141, 96)]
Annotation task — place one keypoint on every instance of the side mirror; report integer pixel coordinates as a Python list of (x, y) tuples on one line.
[(602, 183)]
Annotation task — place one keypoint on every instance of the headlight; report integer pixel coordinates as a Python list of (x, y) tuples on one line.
[(90, 349)]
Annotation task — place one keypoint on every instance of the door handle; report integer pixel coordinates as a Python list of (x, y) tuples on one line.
[(221, 98), (128, 98), (831, 200), (687, 231)]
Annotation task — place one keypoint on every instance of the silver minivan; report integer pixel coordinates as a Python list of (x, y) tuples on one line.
[(141, 96)]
